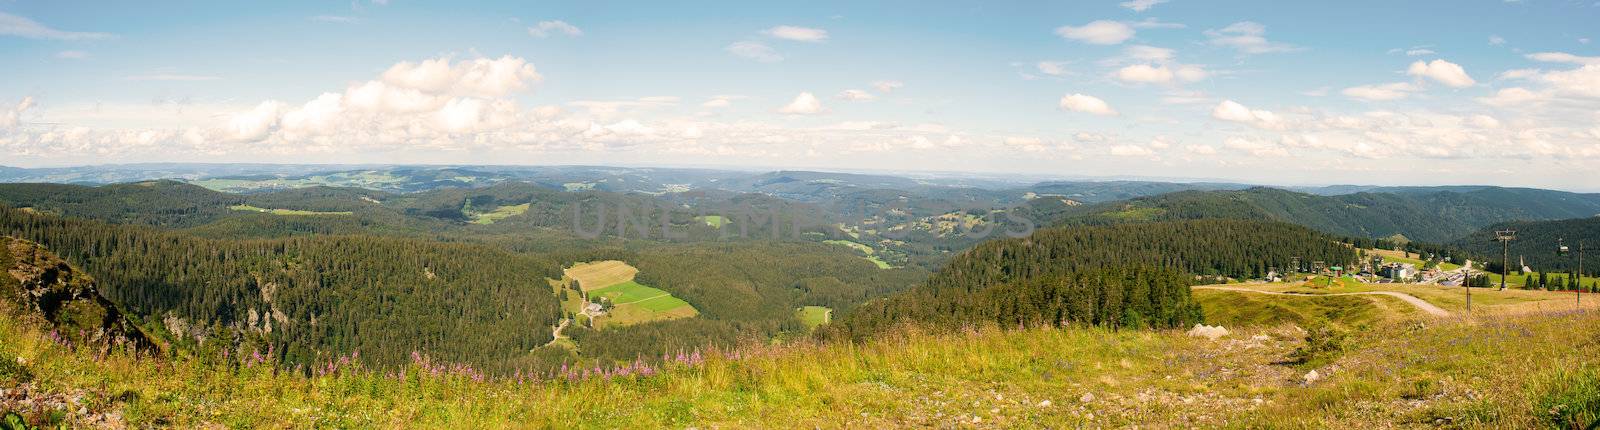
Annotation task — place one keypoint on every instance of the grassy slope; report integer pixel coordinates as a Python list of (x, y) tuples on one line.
[(248, 208), (814, 316), (1492, 371)]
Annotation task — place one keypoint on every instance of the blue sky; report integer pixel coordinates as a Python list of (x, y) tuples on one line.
[(1476, 92)]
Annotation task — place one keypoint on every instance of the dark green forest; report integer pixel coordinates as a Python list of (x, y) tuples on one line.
[(1123, 275)]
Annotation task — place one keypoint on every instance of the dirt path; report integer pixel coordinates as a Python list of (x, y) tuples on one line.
[(1413, 300), (555, 334)]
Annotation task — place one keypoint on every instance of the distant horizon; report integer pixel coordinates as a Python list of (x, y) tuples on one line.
[(1018, 178)]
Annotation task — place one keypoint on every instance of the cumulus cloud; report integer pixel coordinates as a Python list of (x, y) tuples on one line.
[(887, 86), (1248, 38), (1381, 92), (1140, 5), (1441, 71), (803, 104), (13, 116), (1101, 32), (1086, 104), (798, 34), (13, 25), (855, 95), (547, 28), (1229, 110), (754, 51)]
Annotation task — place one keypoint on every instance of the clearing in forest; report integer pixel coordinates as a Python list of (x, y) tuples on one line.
[(600, 274), (498, 213), (248, 208), (631, 302), (814, 316)]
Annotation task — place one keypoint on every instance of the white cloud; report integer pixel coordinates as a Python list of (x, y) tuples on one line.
[(803, 104), (72, 55), (481, 77), (13, 116), (1052, 68), (1099, 32), (1419, 52), (1144, 73), (13, 25), (1140, 5), (1254, 146), (1562, 57), (1518, 74), (1200, 149), (1230, 110), (1247, 37), (1086, 104), (1485, 121), (887, 86), (855, 95), (546, 28), (1130, 151), (1149, 53), (755, 51), (1441, 71), (1156, 23), (1514, 96), (799, 34), (1496, 40), (1580, 82), (720, 101), (1381, 92)]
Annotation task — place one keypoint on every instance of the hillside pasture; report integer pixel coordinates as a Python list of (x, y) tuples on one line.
[(499, 213), (814, 316), (600, 274), (290, 212)]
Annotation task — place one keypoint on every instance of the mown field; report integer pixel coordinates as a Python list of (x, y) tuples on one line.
[(632, 302), (1490, 370), (814, 316), (248, 208)]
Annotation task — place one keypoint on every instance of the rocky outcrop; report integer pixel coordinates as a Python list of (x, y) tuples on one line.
[(43, 286)]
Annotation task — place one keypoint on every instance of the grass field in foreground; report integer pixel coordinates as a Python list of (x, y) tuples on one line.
[(1453, 299), (248, 208), (814, 316), (1484, 372)]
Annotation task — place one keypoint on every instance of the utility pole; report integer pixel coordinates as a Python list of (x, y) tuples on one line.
[(1466, 281), (1561, 248), (1505, 237)]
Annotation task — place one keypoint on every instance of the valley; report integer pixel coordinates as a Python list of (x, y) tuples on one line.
[(775, 290)]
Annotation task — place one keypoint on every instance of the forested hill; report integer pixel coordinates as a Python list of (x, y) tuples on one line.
[(1117, 275), (1436, 216), (1536, 244), (310, 299)]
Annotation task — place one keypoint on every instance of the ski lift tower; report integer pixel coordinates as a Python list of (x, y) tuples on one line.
[(1505, 237)]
